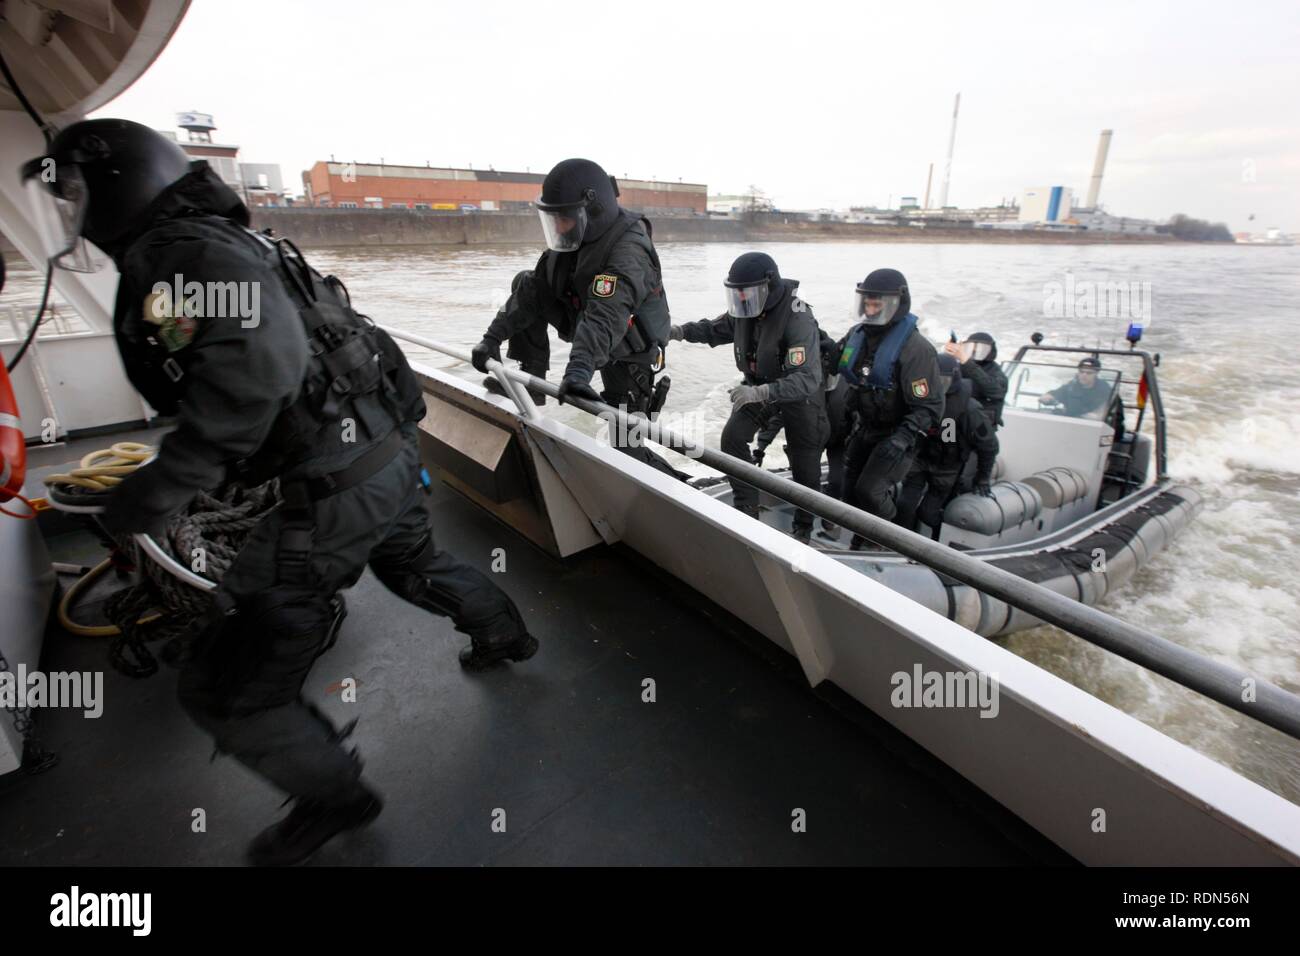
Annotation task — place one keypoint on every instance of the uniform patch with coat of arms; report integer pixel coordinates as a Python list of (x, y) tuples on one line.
[(175, 331), (604, 286), (796, 356), (921, 388)]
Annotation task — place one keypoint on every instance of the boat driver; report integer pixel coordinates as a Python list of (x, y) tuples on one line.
[(1082, 395)]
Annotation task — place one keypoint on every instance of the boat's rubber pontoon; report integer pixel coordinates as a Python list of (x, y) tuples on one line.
[(1080, 504)]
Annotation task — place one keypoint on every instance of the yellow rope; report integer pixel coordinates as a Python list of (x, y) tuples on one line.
[(102, 469), (74, 592)]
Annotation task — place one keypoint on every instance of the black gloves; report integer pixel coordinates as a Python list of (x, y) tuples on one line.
[(133, 507), (899, 444), (983, 488), (487, 349), (576, 388), (757, 455), (676, 333)]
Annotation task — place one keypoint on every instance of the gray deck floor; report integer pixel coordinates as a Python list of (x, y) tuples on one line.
[(586, 772)]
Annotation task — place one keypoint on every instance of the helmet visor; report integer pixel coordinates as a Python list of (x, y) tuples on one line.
[(981, 350), (746, 301), (563, 226), (875, 308), (59, 197)]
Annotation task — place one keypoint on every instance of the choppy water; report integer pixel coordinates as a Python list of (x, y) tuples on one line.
[(1223, 319)]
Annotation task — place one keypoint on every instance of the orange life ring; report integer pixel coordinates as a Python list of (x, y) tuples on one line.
[(13, 447)]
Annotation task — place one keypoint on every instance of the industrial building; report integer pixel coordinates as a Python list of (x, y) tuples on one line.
[(383, 186), (258, 184), (1045, 204)]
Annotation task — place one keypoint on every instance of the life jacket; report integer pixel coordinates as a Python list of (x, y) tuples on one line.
[(758, 340), (884, 363), (571, 274)]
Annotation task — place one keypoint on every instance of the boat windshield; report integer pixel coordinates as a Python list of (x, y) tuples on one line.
[(1061, 389)]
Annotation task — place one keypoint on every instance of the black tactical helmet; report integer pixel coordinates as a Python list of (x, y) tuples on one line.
[(888, 287), (752, 279), (107, 172), (579, 203), (983, 338), (949, 373)]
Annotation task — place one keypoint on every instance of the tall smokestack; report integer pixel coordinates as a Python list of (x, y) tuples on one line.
[(1098, 167), (929, 178), (952, 141)]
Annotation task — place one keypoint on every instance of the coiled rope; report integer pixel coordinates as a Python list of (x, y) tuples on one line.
[(206, 537)]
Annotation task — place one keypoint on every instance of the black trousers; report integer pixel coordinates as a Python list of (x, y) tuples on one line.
[(244, 683), (806, 430), (872, 467), (924, 495)]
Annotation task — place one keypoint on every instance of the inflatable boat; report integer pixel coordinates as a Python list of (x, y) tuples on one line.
[(1081, 498)]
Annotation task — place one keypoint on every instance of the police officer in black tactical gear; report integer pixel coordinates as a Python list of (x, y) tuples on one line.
[(775, 340), (837, 397), (893, 371), (979, 367), (942, 455), (306, 390), (600, 285)]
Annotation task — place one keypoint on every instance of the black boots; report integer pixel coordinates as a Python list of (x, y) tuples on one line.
[(479, 657), (309, 825)]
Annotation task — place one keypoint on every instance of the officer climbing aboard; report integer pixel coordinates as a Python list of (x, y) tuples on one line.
[(600, 285), (942, 454), (896, 397), (775, 341), (303, 389)]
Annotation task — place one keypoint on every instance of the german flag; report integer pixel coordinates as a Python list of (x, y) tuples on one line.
[(1142, 392)]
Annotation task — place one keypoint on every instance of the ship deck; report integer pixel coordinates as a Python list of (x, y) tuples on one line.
[(711, 772)]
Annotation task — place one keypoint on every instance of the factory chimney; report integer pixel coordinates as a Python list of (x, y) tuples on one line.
[(952, 140), (929, 177), (1098, 167)]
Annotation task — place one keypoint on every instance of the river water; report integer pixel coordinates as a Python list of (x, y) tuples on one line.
[(1223, 319)]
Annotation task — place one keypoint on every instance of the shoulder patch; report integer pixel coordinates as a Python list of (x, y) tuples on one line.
[(177, 331), (604, 286), (921, 388), (796, 356)]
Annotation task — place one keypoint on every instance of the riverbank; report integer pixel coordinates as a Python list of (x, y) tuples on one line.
[(352, 228)]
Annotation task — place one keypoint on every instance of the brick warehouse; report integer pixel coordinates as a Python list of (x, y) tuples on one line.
[(372, 186)]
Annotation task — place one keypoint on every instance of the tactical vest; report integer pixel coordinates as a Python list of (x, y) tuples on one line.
[(355, 371), (571, 274), (757, 341)]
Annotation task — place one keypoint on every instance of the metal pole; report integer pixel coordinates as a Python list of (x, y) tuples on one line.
[(1272, 705)]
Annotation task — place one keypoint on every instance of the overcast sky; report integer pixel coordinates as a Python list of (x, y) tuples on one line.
[(818, 104)]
